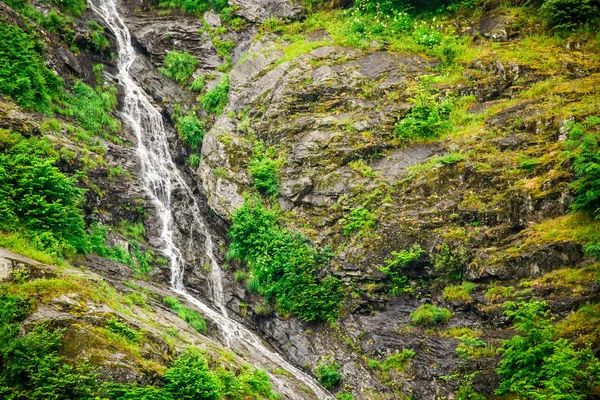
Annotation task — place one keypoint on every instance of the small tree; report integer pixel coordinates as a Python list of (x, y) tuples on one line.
[(538, 366)]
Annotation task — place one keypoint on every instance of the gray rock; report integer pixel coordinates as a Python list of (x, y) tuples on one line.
[(261, 10)]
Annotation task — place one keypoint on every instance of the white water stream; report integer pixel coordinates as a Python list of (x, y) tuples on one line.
[(160, 177)]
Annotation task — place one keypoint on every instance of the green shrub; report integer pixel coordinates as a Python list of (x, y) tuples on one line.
[(132, 391), (328, 373), (97, 36), (398, 361), (358, 219), (285, 265), (33, 369), (449, 261), (193, 318), (179, 66), (36, 196), (190, 379), (91, 108), (570, 14), (536, 364), (460, 293), (264, 170), (428, 119), (394, 268), (191, 130), (115, 326), (215, 100), (194, 160), (195, 6), (584, 146), (471, 347), (23, 73), (198, 84), (430, 315)]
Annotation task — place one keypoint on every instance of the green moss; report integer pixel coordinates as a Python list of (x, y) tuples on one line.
[(430, 315), (460, 293)]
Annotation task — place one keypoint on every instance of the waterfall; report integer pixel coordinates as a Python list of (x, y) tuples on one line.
[(160, 177)]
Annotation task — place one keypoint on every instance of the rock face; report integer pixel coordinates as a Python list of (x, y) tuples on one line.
[(261, 10), (296, 100)]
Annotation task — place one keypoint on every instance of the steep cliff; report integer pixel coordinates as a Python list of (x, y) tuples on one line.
[(391, 192)]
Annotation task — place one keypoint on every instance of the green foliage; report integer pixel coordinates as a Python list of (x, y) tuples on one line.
[(97, 243), (97, 36), (264, 170), (132, 391), (32, 367), (472, 347), (215, 100), (358, 219), (449, 261), (120, 328), (91, 108), (460, 293), (430, 315), (193, 318), (195, 6), (398, 361), (394, 268), (198, 84), (179, 66), (36, 196), (536, 364), (190, 379), (23, 73), (285, 265), (191, 130), (570, 14), (428, 119), (328, 373), (584, 146), (194, 160)]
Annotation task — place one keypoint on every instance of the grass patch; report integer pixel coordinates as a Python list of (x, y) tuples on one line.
[(430, 315)]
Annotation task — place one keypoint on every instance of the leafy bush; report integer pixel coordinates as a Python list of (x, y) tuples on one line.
[(33, 369), (428, 119), (198, 84), (193, 318), (190, 379), (570, 14), (36, 196), (23, 73), (398, 361), (328, 373), (191, 130), (536, 364), (115, 326), (430, 315), (91, 107), (286, 267), (358, 219), (179, 66), (584, 146), (264, 170), (97, 36), (394, 268), (215, 100), (195, 6), (449, 261)]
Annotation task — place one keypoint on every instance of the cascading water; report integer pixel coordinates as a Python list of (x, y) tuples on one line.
[(160, 177)]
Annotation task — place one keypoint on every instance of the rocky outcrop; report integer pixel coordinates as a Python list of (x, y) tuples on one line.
[(296, 100), (261, 10)]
